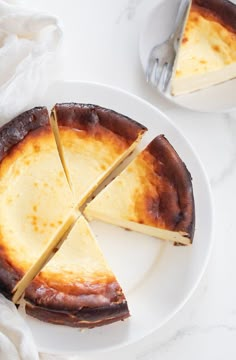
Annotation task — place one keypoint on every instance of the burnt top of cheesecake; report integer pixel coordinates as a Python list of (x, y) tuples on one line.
[(18, 128), (223, 11), (94, 119), (168, 201), (58, 296), (89, 302)]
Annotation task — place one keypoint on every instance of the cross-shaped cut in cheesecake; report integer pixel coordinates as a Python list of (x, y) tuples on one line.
[(37, 206)]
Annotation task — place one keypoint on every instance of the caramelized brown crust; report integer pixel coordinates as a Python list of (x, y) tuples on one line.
[(93, 118), (18, 128), (11, 134), (9, 275), (222, 10), (83, 318), (78, 295), (173, 172), (87, 305)]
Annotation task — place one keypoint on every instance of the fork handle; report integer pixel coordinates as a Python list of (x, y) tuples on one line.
[(181, 18)]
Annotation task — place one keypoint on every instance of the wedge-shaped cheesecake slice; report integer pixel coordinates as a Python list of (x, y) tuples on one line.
[(92, 141), (77, 287), (35, 198), (207, 54), (153, 195)]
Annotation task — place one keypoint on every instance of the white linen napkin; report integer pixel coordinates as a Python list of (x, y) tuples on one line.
[(16, 341), (28, 47)]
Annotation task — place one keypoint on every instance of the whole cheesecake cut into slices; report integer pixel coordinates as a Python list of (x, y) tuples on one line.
[(153, 195), (207, 53), (92, 141), (35, 197), (77, 287)]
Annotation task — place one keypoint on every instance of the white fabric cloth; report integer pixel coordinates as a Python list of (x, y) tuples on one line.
[(16, 341), (28, 44)]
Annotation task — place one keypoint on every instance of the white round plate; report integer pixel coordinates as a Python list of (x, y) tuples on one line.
[(157, 26), (156, 276)]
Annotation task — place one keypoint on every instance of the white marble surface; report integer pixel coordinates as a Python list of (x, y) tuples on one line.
[(101, 45)]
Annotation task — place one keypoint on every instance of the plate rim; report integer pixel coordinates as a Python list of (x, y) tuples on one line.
[(211, 221)]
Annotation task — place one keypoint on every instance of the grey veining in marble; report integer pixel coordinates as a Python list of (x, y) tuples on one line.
[(183, 335), (129, 11)]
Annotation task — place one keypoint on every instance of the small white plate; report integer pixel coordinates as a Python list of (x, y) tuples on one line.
[(157, 277), (156, 28)]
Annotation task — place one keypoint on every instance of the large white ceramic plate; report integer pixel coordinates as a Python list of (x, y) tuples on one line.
[(156, 276), (156, 27)]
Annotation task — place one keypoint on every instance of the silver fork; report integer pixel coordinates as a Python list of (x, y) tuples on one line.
[(162, 56)]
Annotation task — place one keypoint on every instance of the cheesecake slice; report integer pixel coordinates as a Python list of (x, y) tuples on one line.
[(207, 53), (77, 287), (35, 196), (153, 195), (92, 141)]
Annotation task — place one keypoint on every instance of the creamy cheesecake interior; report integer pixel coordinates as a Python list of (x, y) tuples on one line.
[(35, 198), (93, 142), (77, 277), (145, 197), (48, 251), (78, 261), (93, 162), (207, 54)]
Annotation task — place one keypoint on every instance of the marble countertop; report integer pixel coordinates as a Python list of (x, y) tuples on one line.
[(101, 44)]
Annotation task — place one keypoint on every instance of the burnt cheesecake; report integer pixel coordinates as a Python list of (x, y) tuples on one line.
[(49, 166), (207, 53), (77, 287), (35, 197), (92, 142), (153, 195), (39, 202)]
